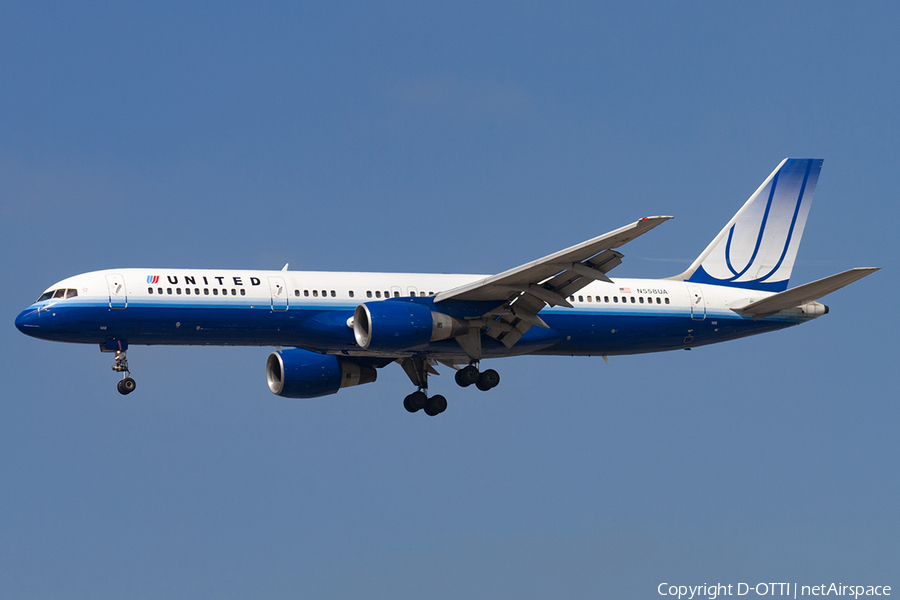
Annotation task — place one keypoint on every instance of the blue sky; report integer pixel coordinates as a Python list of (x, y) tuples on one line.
[(466, 137)]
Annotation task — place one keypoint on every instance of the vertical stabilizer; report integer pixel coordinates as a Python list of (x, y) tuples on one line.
[(756, 250)]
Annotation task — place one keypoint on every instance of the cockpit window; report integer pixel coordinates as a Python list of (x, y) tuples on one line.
[(59, 294)]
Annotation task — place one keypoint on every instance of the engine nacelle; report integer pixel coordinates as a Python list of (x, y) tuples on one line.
[(298, 373), (399, 325)]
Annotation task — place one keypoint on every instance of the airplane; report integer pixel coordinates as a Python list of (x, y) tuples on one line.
[(336, 329)]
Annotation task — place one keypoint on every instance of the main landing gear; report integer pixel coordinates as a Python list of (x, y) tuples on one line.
[(127, 385), (418, 369), (419, 400), (484, 380)]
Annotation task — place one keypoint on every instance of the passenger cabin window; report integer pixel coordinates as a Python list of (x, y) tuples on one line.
[(315, 293), (206, 291), (306, 293), (605, 299), (616, 299), (368, 294), (581, 298), (215, 291), (351, 293), (243, 292), (377, 294), (333, 294), (632, 299), (642, 299), (159, 291), (659, 301), (667, 300), (149, 290)]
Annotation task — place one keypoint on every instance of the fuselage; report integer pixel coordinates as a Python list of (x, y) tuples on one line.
[(314, 310)]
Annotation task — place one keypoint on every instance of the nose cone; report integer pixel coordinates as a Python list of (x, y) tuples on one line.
[(28, 321)]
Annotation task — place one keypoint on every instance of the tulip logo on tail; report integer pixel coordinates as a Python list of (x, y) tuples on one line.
[(757, 248)]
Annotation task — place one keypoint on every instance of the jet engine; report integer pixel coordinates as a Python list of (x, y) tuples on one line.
[(298, 373), (393, 325)]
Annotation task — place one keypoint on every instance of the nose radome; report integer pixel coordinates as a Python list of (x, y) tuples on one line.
[(28, 320)]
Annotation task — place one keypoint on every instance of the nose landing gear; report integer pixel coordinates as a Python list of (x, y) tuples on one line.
[(127, 385)]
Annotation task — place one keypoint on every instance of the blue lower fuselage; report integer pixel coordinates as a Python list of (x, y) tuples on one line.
[(598, 330)]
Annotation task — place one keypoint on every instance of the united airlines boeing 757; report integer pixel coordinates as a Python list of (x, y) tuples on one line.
[(333, 330)]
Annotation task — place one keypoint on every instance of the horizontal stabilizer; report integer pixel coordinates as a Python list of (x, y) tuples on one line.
[(803, 294)]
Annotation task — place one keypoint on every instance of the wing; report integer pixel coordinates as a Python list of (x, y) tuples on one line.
[(523, 291)]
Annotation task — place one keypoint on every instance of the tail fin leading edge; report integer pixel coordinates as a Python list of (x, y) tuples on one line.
[(757, 248)]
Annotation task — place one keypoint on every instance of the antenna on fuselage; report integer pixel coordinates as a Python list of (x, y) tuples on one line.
[(284, 268)]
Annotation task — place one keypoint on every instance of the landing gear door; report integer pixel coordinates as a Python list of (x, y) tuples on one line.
[(698, 304), (117, 296), (279, 293)]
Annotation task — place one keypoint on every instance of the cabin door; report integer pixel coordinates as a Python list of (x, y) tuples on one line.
[(279, 293), (698, 304), (117, 296)]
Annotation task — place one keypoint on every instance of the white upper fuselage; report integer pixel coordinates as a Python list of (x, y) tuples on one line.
[(243, 307)]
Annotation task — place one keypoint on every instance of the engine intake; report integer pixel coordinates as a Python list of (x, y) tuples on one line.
[(299, 373), (402, 325)]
